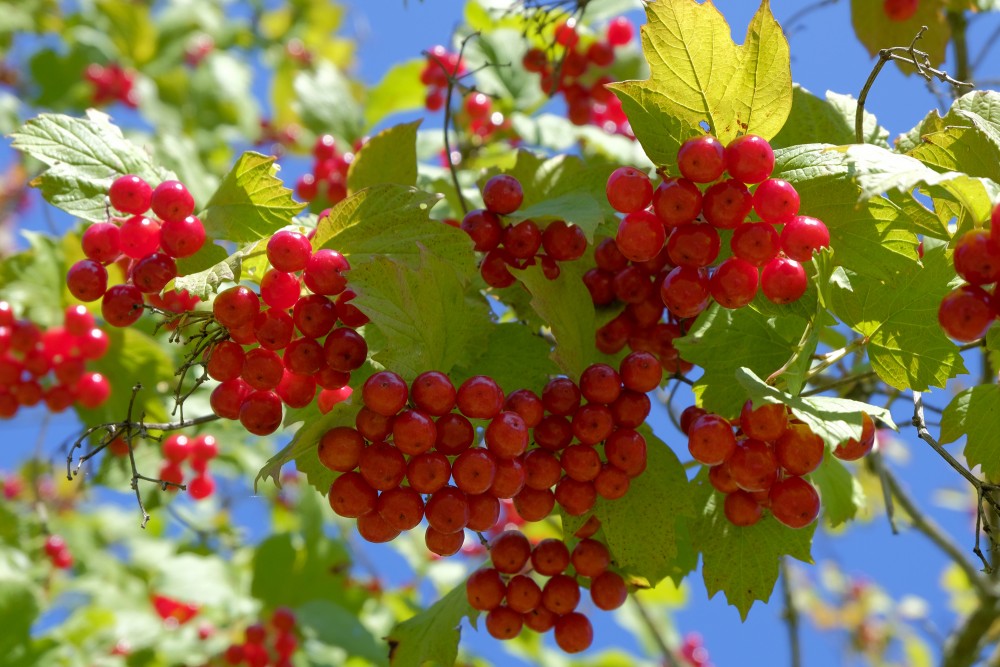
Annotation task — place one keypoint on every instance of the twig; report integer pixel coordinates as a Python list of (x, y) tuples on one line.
[(964, 645), (796, 353), (846, 380), (831, 358), (802, 13), (452, 82), (876, 461), (906, 54), (791, 615), (983, 490), (958, 24), (669, 660)]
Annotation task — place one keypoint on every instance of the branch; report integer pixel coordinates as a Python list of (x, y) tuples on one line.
[(906, 54), (983, 490), (958, 24), (669, 660), (802, 13), (791, 615), (963, 647)]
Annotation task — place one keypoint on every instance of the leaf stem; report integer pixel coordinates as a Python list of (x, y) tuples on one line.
[(831, 358), (796, 353)]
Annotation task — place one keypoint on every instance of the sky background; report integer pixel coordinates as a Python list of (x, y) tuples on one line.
[(825, 56)]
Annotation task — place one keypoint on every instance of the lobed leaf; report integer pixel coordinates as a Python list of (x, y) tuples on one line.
[(388, 157), (433, 634), (975, 413)]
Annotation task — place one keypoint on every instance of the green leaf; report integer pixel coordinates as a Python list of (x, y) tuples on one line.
[(135, 357), (560, 188), (558, 134), (433, 634), (515, 356), (833, 419), (829, 121), (840, 491), (722, 341), (489, 54), (742, 562), (34, 281), (650, 548), (206, 258), (422, 314), (975, 413), (84, 156), (18, 605), (326, 102), (251, 202), (194, 578), (874, 238), (388, 157), (876, 31), (399, 90), (698, 74), (392, 220), (906, 347), (566, 307), (970, 150), (292, 572), (207, 282), (334, 625)]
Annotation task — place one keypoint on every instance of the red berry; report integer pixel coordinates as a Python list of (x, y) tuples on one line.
[(172, 201), (182, 238), (563, 242), (783, 280), (101, 242), (798, 450), (794, 502), (628, 190), (345, 350), (677, 201), (755, 242), (130, 194), (727, 204), (573, 632), (854, 448), (87, 280), (803, 235), (485, 589), (966, 313), (502, 194), (702, 159), (485, 229), (236, 307), (734, 283), (480, 397), (977, 257), (620, 31), (752, 465), (776, 201), (121, 305), (749, 159), (900, 10), (693, 245), (685, 291), (152, 273), (324, 273), (640, 236), (741, 509), (289, 250), (385, 392), (260, 412)]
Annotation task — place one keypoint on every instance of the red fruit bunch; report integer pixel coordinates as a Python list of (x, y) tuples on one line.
[(579, 70), (538, 586), (763, 463), (517, 244), (270, 644), (297, 335), (58, 553), (112, 83), (326, 184), (441, 65), (198, 452), (616, 280), (145, 246), (413, 452), (678, 217), (968, 311), (50, 366)]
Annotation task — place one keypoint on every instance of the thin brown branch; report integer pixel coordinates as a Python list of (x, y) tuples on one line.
[(669, 660), (790, 614)]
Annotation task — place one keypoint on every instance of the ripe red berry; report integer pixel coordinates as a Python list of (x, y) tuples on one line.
[(734, 283), (236, 307), (702, 159), (803, 235), (794, 502), (507, 435), (798, 450), (741, 509), (480, 397), (752, 465), (87, 280), (711, 440), (385, 392), (640, 236), (608, 591), (261, 412), (693, 245), (977, 257), (755, 242), (767, 422), (628, 190), (345, 350), (152, 273), (289, 250), (485, 229), (966, 313), (485, 589), (502, 194), (182, 238), (101, 242), (130, 194), (727, 204), (201, 487), (172, 201), (620, 31), (447, 510), (685, 291), (351, 496), (573, 632), (854, 448), (324, 273), (783, 280), (776, 201), (677, 201), (749, 159), (121, 305), (563, 242)]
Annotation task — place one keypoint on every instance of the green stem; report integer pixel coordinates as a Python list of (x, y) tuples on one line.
[(830, 358), (959, 24), (796, 353)]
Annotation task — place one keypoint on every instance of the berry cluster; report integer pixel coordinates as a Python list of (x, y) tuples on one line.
[(967, 312), (513, 598), (270, 644), (580, 73), (148, 246), (442, 65), (413, 434), (113, 83), (685, 222), (762, 464), (326, 184), (280, 353), (617, 280), (693, 650), (58, 553), (50, 366), (198, 452), (518, 244)]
